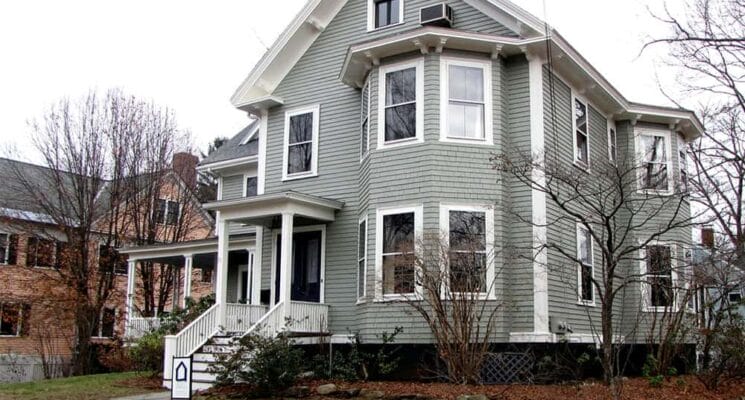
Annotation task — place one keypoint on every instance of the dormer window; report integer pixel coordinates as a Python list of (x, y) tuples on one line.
[(382, 13)]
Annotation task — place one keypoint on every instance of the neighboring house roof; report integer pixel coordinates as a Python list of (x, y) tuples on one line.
[(257, 90), (244, 144)]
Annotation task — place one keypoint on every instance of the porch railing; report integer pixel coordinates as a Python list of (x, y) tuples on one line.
[(240, 317), (308, 317), (270, 323), (196, 333), (139, 326)]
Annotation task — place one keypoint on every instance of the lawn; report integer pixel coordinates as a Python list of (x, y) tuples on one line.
[(89, 387)]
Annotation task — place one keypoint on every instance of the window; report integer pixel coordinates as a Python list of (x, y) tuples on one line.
[(103, 327), (166, 212), (109, 259), (655, 159), (301, 143), (252, 185), (401, 116), (467, 251), (586, 271), (735, 297), (581, 134), (612, 143), (4, 248), (397, 232), (10, 319), (465, 90), (365, 121), (361, 257), (683, 163), (40, 252), (659, 276), (382, 13)]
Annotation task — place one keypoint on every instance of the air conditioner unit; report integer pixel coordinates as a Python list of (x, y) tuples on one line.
[(438, 14)]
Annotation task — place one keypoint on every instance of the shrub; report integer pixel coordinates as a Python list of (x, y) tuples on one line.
[(355, 363), (147, 352), (270, 365), (117, 358)]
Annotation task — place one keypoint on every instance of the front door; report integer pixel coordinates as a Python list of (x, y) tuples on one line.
[(306, 267)]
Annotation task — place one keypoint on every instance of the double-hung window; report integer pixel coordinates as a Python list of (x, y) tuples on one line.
[(103, 326), (468, 247), (40, 252), (166, 212), (365, 120), (10, 319), (655, 168), (466, 100), (659, 276), (252, 185), (586, 292), (382, 13), (301, 143), (612, 143), (581, 124), (398, 230), (4, 248), (361, 258), (683, 163), (400, 117)]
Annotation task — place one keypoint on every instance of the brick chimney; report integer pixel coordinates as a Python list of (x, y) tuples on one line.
[(707, 237), (184, 165)]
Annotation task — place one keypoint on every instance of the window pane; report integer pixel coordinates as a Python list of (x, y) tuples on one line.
[(466, 120), (381, 13), (299, 157), (361, 240), (580, 116), (361, 278), (393, 12), (398, 274), (398, 233), (160, 211), (400, 122), (661, 291), (654, 148), (10, 319), (45, 250), (252, 185), (364, 139), (466, 83), (108, 322), (467, 231), (655, 176), (400, 86), (581, 147), (173, 211), (3, 248), (585, 246), (587, 288), (659, 260), (467, 272), (301, 128)]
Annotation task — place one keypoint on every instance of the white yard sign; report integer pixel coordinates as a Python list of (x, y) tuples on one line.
[(181, 378)]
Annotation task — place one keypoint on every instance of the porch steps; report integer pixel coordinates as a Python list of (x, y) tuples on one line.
[(201, 377)]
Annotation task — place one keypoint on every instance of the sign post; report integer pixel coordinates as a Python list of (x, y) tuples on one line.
[(181, 378)]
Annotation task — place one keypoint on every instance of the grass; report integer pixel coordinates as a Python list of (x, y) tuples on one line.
[(89, 387)]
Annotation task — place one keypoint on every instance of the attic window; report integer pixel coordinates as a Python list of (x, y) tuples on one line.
[(382, 13)]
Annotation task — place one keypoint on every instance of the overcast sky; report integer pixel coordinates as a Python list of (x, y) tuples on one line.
[(191, 55)]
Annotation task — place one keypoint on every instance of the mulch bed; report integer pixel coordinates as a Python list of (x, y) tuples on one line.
[(145, 381), (687, 387)]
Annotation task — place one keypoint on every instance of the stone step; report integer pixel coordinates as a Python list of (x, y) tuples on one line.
[(200, 366), (203, 357), (218, 348), (203, 377), (222, 340)]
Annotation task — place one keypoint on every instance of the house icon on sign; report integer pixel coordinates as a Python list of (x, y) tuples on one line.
[(181, 371)]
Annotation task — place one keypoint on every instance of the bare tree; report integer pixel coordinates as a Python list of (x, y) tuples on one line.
[(620, 221)]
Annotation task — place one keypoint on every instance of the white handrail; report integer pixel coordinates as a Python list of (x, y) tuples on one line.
[(196, 333)]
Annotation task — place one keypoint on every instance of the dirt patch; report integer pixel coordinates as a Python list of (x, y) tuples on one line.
[(145, 381)]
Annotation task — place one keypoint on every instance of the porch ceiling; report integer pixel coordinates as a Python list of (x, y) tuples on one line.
[(259, 208)]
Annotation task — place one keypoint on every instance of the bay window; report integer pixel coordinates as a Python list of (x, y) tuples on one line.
[(397, 232), (301, 143), (401, 114), (466, 100), (654, 150)]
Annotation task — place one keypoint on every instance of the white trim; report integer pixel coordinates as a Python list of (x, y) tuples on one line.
[(537, 146), (488, 210), (275, 242), (371, 16), (417, 63), (580, 265), (315, 110), (418, 229), (360, 257), (367, 86), (220, 185), (666, 134), (645, 288), (250, 135), (575, 156), (486, 68), (218, 166), (247, 175), (612, 142), (683, 163), (261, 167)]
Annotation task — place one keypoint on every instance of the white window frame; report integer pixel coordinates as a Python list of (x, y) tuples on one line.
[(488, 211), (575, 157), (4, 261), (99, 334), (638, 133), (646, 290), (316, 111), (580, 300), (371, 16), (683, 164), (19, 328), (361, 257), (612, 142), (368, 87), (418, 64), (418, 229), (245, 183), (486, 67)]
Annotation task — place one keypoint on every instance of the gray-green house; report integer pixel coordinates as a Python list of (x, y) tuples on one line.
[(374, 124)]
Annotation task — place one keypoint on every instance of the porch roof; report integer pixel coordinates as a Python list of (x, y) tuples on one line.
[(268, 205), (192, 247)]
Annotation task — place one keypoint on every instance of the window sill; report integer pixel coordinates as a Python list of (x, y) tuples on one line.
[(586, 303), (581, 166), (295, 177), (382, 28), (399, 143), (460, 140), (650, 309), (663, 193), (388, 298), (9, 336)]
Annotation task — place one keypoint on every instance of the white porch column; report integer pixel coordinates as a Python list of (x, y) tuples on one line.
[(256, 283), (188, 262), (131, 269), (221, 288), (285, 278)]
